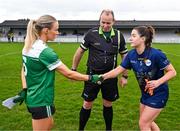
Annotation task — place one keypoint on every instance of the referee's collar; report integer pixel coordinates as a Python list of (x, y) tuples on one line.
[(101, 31)]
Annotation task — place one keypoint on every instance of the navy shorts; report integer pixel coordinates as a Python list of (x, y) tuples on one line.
[(109, 89), (158, 100), (41, 112)]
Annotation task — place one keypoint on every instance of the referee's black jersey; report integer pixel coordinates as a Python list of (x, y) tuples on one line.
[(103, 51)]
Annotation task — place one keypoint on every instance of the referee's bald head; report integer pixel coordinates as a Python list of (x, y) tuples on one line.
[(107, 12)]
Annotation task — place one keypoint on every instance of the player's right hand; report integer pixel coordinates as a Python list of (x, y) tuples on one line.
[(148, 89)]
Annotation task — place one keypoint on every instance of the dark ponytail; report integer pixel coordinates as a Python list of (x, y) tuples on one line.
[(147, 32)]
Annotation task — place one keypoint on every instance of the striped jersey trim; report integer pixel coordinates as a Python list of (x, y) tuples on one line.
[(118, 38), (48, 108), (124, 51), (83, 47), (165, 67), (54, 65)]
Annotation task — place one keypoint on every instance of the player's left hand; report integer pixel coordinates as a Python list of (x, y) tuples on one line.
[(21, 96), (152, 84)]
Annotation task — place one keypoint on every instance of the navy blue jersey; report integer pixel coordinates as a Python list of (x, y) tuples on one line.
[(148, 65)]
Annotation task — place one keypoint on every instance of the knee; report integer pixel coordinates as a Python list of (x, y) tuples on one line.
[(87, 105), (143, 125), (107, 103)]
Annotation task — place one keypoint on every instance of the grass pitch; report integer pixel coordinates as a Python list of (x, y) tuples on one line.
[(68, 99)]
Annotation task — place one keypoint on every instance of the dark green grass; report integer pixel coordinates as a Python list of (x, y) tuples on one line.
[(68, 99)]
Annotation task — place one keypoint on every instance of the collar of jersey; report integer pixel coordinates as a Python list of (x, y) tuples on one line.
[(101, 32)]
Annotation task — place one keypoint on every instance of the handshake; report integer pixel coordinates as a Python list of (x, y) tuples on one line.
[(97, 79)]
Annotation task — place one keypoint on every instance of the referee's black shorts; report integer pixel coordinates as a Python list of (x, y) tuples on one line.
[(109, 88)]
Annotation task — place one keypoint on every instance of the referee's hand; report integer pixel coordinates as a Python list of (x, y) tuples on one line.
[(123, 81)]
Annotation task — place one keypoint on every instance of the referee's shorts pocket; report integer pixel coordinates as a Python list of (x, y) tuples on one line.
[(41, 111)]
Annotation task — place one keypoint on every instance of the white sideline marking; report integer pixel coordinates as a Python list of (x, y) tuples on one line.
[(12, 53), (172, 54)]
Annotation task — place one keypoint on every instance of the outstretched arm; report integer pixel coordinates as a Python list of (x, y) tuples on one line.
[(113, 73), (63, 69)]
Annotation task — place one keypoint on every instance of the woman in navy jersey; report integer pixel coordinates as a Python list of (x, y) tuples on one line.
[(149, 65)]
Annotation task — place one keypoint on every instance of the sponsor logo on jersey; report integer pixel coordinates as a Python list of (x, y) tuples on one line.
[(96, 43), (133, 61), (148, 62)]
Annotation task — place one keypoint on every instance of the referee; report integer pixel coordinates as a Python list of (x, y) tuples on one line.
[(104, 44)]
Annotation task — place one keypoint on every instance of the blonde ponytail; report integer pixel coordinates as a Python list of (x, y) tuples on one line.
[(31, 35), (34, 29)]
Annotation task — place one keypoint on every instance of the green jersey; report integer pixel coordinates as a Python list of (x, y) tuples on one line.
[(39, 68)]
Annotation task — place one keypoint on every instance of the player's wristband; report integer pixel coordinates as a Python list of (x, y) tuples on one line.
[(73, 69), (89, 78), (125, 76)]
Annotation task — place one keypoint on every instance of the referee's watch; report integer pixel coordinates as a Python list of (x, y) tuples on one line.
[(125, 76), (73, 69)]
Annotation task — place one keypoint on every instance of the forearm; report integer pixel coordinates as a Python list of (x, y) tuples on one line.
[(77, 57), (113, 73), (77, 76), (125, 72), (170, 73), (63, 69), (23, 79)]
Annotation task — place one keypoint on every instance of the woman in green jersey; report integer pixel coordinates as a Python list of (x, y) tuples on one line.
[(38, 73)]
